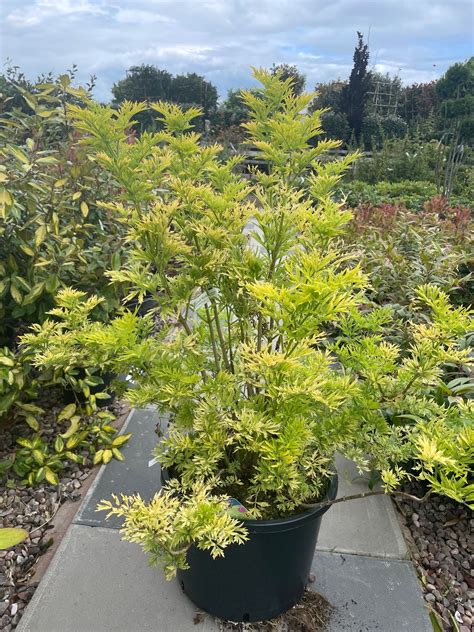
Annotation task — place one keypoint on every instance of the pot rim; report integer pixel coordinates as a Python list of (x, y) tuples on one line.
[(290, 522)]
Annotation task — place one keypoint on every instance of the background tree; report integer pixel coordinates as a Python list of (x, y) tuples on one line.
[(455, 90), (289, 71), (329, 95), (355, 94), (418, 102), (193, 90), (334, 122), (233, 111), (143, 83), (149, 83)]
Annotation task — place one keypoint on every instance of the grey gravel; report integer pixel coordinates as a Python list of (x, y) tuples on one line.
[(441, 540)]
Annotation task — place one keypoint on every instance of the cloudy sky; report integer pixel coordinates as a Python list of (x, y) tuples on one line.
[(220, 39)]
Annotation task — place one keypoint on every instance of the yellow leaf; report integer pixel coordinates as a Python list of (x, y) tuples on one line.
[(16, 294), (117, 454), (77, 195), (51, 477), (84, 209), (45, 113), (121, 439), (11, 536), (73, 427), (19, 154), (107, 456), (5, 197), (98, 456), (38, 456), (27, 250), (32, 422), (40, 234), (67, 412), (60, 183)]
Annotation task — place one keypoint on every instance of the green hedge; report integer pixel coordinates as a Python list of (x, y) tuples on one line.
[(412, 194)]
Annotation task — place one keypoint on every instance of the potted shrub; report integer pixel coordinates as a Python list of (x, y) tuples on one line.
[(251, 283)]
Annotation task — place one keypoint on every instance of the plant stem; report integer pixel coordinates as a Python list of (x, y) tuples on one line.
[(220, 334), (213, 339), (229, 337), (328, 503)]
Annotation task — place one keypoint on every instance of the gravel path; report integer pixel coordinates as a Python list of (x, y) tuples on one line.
[(440, 534), (34, 510)]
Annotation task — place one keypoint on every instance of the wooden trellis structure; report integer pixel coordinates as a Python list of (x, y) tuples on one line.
[(385, 98)]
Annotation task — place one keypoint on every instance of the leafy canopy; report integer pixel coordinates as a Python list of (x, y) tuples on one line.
[(264, 357)]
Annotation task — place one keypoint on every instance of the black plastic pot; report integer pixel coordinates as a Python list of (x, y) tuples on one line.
[(262, 578)]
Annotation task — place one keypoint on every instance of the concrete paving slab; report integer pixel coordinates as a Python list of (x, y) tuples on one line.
[(97, 583), (130, 476), (370, 594), (367, 526)]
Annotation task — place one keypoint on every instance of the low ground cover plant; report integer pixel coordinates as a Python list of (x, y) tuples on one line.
[(269, 358), (402, 249)]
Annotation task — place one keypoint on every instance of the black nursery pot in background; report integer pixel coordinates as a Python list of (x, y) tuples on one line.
[(262, 578)]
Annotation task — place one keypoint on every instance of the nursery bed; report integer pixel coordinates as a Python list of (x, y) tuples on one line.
[(45, 511)]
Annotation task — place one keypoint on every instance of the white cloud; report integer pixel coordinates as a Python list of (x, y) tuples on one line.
[(138, 16), (222, 38), (41, 10)]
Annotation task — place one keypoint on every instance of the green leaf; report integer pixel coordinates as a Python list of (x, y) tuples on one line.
[(74, 457), (65, 81), (84, 209), (52, 283), (74, 426), (32, 422), (31, 408), (16, 294), (117, 454), (51, 476), (45, 113), (121, 439), (38, 456), (19, 154), (67, 412), (27, 250), (437, 627), (40, 234), (47, 160), (35, 293), (73, 441), (58, 444), (11, 536), (24, 442), (102, 395)]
